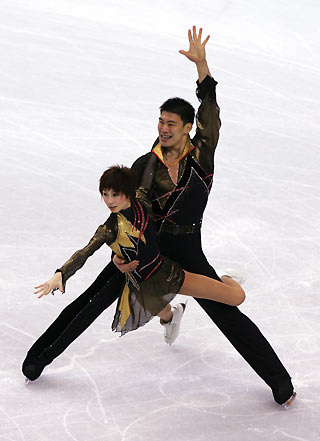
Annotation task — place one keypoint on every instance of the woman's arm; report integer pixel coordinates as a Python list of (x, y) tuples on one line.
[(50, 285), (76, 261)]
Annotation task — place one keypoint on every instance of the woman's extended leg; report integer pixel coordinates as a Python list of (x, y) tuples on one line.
[(202, 287), (210, 289), (195, 285)]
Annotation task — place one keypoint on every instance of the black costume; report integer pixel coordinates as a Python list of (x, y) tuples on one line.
[(178, 210), (147, 290)]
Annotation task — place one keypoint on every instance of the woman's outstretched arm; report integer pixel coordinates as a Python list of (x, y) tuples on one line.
[(54, 283)]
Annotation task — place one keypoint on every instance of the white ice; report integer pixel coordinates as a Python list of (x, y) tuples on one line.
[(81, 83)]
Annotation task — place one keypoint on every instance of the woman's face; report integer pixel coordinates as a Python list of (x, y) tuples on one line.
[(115, 201)]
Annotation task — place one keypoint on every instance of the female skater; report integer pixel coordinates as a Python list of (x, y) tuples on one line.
[(131, 234)]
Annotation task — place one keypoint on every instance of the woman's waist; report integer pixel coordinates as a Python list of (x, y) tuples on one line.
[(148, 266)]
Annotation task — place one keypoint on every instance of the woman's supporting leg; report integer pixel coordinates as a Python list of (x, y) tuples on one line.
[(166, 314), (228, 291), (170, 319)]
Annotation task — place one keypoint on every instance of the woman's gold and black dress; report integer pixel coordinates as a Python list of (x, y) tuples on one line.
[(131, 234)]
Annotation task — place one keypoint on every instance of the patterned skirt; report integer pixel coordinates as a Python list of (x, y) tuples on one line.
[(137, 306)]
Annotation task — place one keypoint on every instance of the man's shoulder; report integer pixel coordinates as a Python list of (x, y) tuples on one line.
[(144, 168), (142, 159), (140, 164)]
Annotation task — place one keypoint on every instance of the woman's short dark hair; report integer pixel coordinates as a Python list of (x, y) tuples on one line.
[(181, 107), (120, 179)]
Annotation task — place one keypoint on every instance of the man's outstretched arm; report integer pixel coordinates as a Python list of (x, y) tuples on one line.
[(197, 52), (208, 120)]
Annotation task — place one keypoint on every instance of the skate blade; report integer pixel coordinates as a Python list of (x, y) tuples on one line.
[(287, 405)]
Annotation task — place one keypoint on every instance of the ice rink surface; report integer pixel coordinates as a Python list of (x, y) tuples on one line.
[(81, 83)]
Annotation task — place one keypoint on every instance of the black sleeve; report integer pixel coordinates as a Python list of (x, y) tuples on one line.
[(207, 121), (144, 168), (206, 89)]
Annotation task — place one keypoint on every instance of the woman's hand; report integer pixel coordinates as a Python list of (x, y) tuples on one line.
[(123, 266), (54, 283)]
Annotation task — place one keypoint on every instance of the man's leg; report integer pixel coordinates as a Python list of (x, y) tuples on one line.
[(73, 320), (242, 333), (248, 340)]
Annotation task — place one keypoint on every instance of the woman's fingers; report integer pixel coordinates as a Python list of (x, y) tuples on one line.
[(40, 288), (43, 289), (43, 294)]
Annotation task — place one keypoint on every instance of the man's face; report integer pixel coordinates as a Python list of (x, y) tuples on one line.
[(171, 129)]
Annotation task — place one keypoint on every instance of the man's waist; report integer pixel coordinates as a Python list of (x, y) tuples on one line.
[(180, 229)]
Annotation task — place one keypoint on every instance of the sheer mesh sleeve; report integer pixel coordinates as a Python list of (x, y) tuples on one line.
[(208, 122), (105, 234)]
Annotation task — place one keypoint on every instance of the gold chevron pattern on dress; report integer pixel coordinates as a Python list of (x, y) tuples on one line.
[(124, 306), (125, 229)]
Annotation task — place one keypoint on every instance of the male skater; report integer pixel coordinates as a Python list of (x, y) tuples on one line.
[(178, 174)]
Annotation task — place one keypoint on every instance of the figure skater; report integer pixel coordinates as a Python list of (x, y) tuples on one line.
[(131, 234), (178, 173)]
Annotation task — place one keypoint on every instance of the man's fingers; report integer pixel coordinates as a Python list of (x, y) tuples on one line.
[(118, 260), (190, 36), (206, 40), (124, 266), (200, 34), (129, 266), (194, 31)]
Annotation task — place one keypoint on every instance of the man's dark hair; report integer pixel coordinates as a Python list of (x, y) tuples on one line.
[(120, 179), (181, 107)]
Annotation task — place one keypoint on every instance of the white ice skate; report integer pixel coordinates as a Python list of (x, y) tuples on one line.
[(172, 328), (232, 273)]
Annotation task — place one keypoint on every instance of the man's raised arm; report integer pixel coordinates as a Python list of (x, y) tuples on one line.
[(197, 52)]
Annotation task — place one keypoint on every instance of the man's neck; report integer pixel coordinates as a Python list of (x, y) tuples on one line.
[(175, 152)]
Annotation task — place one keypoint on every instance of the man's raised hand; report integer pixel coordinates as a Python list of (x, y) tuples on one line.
[(196, 52)]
